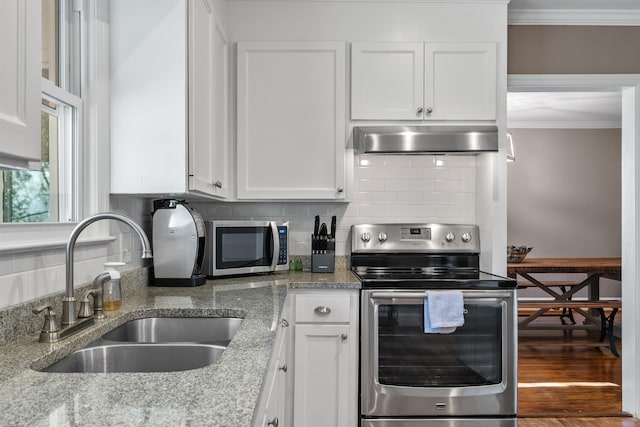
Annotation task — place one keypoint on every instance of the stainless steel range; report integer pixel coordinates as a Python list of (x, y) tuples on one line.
[(411, 376)]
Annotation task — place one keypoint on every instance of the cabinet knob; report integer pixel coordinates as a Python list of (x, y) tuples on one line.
[(217, 184), (285, 323), (322, 310), (419, 111), (344, 337), (340, 189), (429, 110), (274, 422), (283, 368)]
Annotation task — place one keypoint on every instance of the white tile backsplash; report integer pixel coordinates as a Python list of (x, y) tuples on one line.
[(391, 188)]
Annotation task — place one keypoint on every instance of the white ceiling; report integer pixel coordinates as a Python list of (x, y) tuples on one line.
[(596, 110)]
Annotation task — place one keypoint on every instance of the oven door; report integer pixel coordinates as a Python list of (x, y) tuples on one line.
[(406, 372)]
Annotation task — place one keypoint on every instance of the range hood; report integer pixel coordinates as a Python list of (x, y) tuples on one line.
[(425, 139)]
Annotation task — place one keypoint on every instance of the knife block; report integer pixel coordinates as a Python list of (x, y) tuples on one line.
[(323, 254), (323, 263)]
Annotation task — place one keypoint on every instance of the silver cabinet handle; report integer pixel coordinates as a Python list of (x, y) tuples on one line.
[(285, 323), (344, 337), (340, 189), (273, 422), (420, 110), (429, 110), (283, 368), (217, 184), (322, 310)]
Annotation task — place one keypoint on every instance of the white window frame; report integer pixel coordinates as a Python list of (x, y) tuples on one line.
[(69, 113), (92, 115)]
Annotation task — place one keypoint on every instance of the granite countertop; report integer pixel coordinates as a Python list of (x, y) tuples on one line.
[(222, 394)]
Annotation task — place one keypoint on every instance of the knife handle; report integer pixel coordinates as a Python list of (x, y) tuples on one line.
[(333, 227)]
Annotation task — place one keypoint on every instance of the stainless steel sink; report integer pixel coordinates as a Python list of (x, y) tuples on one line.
[(210, 330), (113, 357), (154, 344)]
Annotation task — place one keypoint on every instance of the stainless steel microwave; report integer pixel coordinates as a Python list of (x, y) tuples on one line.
[(238, 247)]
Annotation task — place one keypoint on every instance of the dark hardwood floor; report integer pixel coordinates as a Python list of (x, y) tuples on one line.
[(567, 385)]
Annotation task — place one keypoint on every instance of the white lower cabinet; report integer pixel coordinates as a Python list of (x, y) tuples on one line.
[(312, 377), (275, 412), (273, 402), (325, 359)]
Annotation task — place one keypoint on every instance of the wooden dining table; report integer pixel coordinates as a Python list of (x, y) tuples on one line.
[(593, 268)]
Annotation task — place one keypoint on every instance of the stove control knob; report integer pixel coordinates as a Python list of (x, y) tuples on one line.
[(466, 237), (365, 237), (382, 236), (450, 237)]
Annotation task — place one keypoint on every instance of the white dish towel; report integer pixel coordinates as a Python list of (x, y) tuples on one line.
[(443, 312)]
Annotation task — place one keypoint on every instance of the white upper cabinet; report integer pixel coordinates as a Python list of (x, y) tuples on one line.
[(168, 99), (291, 120), (460, 81), (20, 82), (207, 102), (423, 81), (387, 80)]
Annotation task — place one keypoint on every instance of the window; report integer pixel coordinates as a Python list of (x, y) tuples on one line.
[(48, 193)]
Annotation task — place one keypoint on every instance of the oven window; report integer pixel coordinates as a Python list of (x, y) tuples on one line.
[(471, 356), (243, 247)]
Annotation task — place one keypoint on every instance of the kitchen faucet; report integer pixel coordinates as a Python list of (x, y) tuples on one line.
[(69, 314)]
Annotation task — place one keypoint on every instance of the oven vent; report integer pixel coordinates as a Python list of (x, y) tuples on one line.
[(425, 139)]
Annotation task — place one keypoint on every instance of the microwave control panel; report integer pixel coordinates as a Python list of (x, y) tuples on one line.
[(284, 245)]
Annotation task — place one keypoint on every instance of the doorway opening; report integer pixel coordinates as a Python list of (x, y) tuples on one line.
[(627, 88)]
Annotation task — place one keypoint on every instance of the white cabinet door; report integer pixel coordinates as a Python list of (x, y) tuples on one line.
[(207, 102), (461, 81), (168, 118), (21, 56), (387, 81), (291, 120), (423, 81), (274, 401), (275, 412), (323, 383)]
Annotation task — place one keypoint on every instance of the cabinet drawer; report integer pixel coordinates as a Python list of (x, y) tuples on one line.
[(323, 308)]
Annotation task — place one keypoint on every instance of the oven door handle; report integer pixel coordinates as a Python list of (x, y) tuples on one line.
[(423, 294)]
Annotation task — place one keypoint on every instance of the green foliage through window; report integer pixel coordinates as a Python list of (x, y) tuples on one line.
[(26, 195)]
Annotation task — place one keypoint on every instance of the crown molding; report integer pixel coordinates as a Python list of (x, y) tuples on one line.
[(573, 17)]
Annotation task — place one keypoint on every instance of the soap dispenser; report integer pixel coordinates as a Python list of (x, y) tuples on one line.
[(112, 289)]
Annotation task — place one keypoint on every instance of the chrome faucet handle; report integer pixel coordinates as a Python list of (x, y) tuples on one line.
[(50, 330), (98, 299), (85, 308)]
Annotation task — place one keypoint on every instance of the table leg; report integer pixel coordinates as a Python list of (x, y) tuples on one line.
[(593, 293)]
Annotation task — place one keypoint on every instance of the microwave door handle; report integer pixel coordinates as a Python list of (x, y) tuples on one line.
[(276, 245)]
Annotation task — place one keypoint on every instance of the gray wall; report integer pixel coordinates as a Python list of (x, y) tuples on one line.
[(564, 195), (564, 192), (573, 49)]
